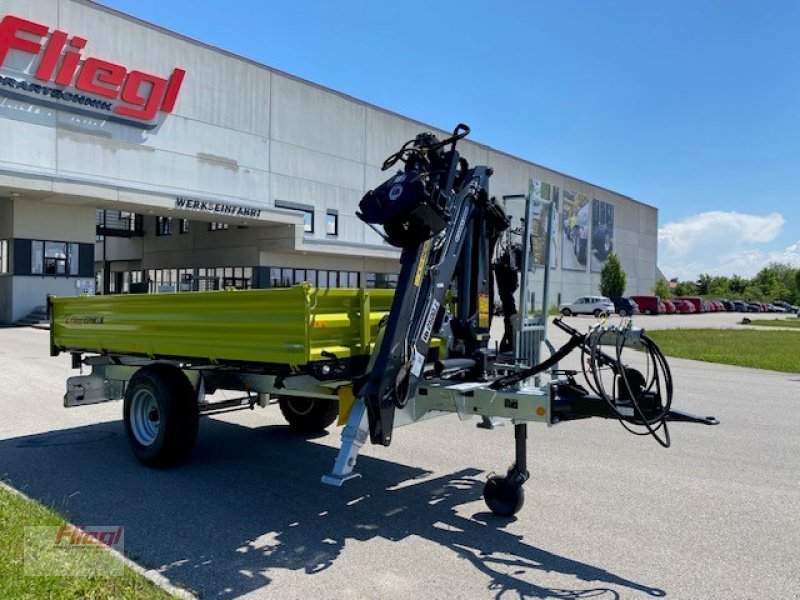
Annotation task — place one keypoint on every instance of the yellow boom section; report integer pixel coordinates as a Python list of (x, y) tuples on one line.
[(289, 326)]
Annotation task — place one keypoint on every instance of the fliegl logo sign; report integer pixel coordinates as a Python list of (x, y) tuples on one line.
[(63, 79)]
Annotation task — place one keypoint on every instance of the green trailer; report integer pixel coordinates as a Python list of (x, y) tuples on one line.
[(166, 355), (302, 348), (288, 328)]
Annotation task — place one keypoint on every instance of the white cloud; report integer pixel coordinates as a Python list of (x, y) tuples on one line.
[(722, 243)]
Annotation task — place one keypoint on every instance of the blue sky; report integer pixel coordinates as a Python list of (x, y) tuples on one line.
[(692, 106)]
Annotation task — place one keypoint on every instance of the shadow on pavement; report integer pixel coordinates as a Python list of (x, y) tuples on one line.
[(250, 503)]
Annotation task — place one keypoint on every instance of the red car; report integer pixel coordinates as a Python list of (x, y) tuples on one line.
[(648, 305), (695, 301), (669, 307), (683, 307)]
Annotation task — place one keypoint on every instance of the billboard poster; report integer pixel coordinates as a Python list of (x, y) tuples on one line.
[(574, 225), (542, 191), (602, 233)]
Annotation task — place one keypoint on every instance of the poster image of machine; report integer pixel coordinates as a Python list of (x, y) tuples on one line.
[(575, 230), (539, 190), (602, 233)]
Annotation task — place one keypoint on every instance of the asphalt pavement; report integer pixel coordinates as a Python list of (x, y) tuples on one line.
[(607, 515)]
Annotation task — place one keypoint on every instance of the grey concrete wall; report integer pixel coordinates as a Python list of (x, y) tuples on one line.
[(38, 220), (29, 293)]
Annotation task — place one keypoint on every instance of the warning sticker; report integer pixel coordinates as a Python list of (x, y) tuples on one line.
[(428, 328), (419, 362), (483, 310), (423, 259)]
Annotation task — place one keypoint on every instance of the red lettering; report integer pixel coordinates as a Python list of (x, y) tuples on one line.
[(9, 28), (148, 105), (143, 94), (174, 86), (64, 530), (52, 53), (70, 64), (100, 77)]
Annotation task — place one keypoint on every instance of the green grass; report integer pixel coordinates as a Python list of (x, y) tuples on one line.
[(760, 349), (16, 513), (776, 322)]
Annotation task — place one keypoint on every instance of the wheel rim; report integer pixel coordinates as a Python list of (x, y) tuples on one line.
[(145, 417), (301, 406)]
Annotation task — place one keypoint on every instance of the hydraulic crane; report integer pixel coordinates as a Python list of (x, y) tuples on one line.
[(438, 210)]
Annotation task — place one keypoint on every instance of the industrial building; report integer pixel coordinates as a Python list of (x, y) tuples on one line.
[(125, 168)]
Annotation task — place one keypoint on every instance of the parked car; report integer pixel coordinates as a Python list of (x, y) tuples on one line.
[(740, 306), (649, 305), (695, 301), (683, 307), (669, 307), (790, 308), (729, 305), (754, 307), (625, 307), (588, 305), (775, 308), (709, 306)]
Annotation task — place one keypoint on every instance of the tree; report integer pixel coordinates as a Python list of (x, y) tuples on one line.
[(686, 288), (737, 285), (612, 277), (703, 284), (662, 289)]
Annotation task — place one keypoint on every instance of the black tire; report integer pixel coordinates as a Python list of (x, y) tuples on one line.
[(647, 311), (623, 312), (308, 415), (160, 415), (503, 495), (597, 312), (566, 312)]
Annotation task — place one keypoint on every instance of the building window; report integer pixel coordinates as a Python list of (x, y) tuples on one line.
[(54, 258), (382, 280), (3, 256), (332, 222), (163, 225), (217, 226), (288, 277), (183, 227), (306, 210)]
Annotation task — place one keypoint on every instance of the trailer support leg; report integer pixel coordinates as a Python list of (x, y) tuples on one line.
[(504, 495), (355, 433), (521, 449)]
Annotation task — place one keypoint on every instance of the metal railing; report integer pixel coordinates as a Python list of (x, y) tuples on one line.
[(118, 223)]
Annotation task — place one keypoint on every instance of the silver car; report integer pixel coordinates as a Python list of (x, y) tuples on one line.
[(588, 305)]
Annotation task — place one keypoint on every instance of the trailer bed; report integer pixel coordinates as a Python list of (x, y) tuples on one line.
[(287, 326)]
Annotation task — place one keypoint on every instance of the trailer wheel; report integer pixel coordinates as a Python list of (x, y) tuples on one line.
[(504, 495), (308, 415), (160, 414)]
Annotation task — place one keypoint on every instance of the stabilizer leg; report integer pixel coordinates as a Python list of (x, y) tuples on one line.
[(504, 495), (354, 435)]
